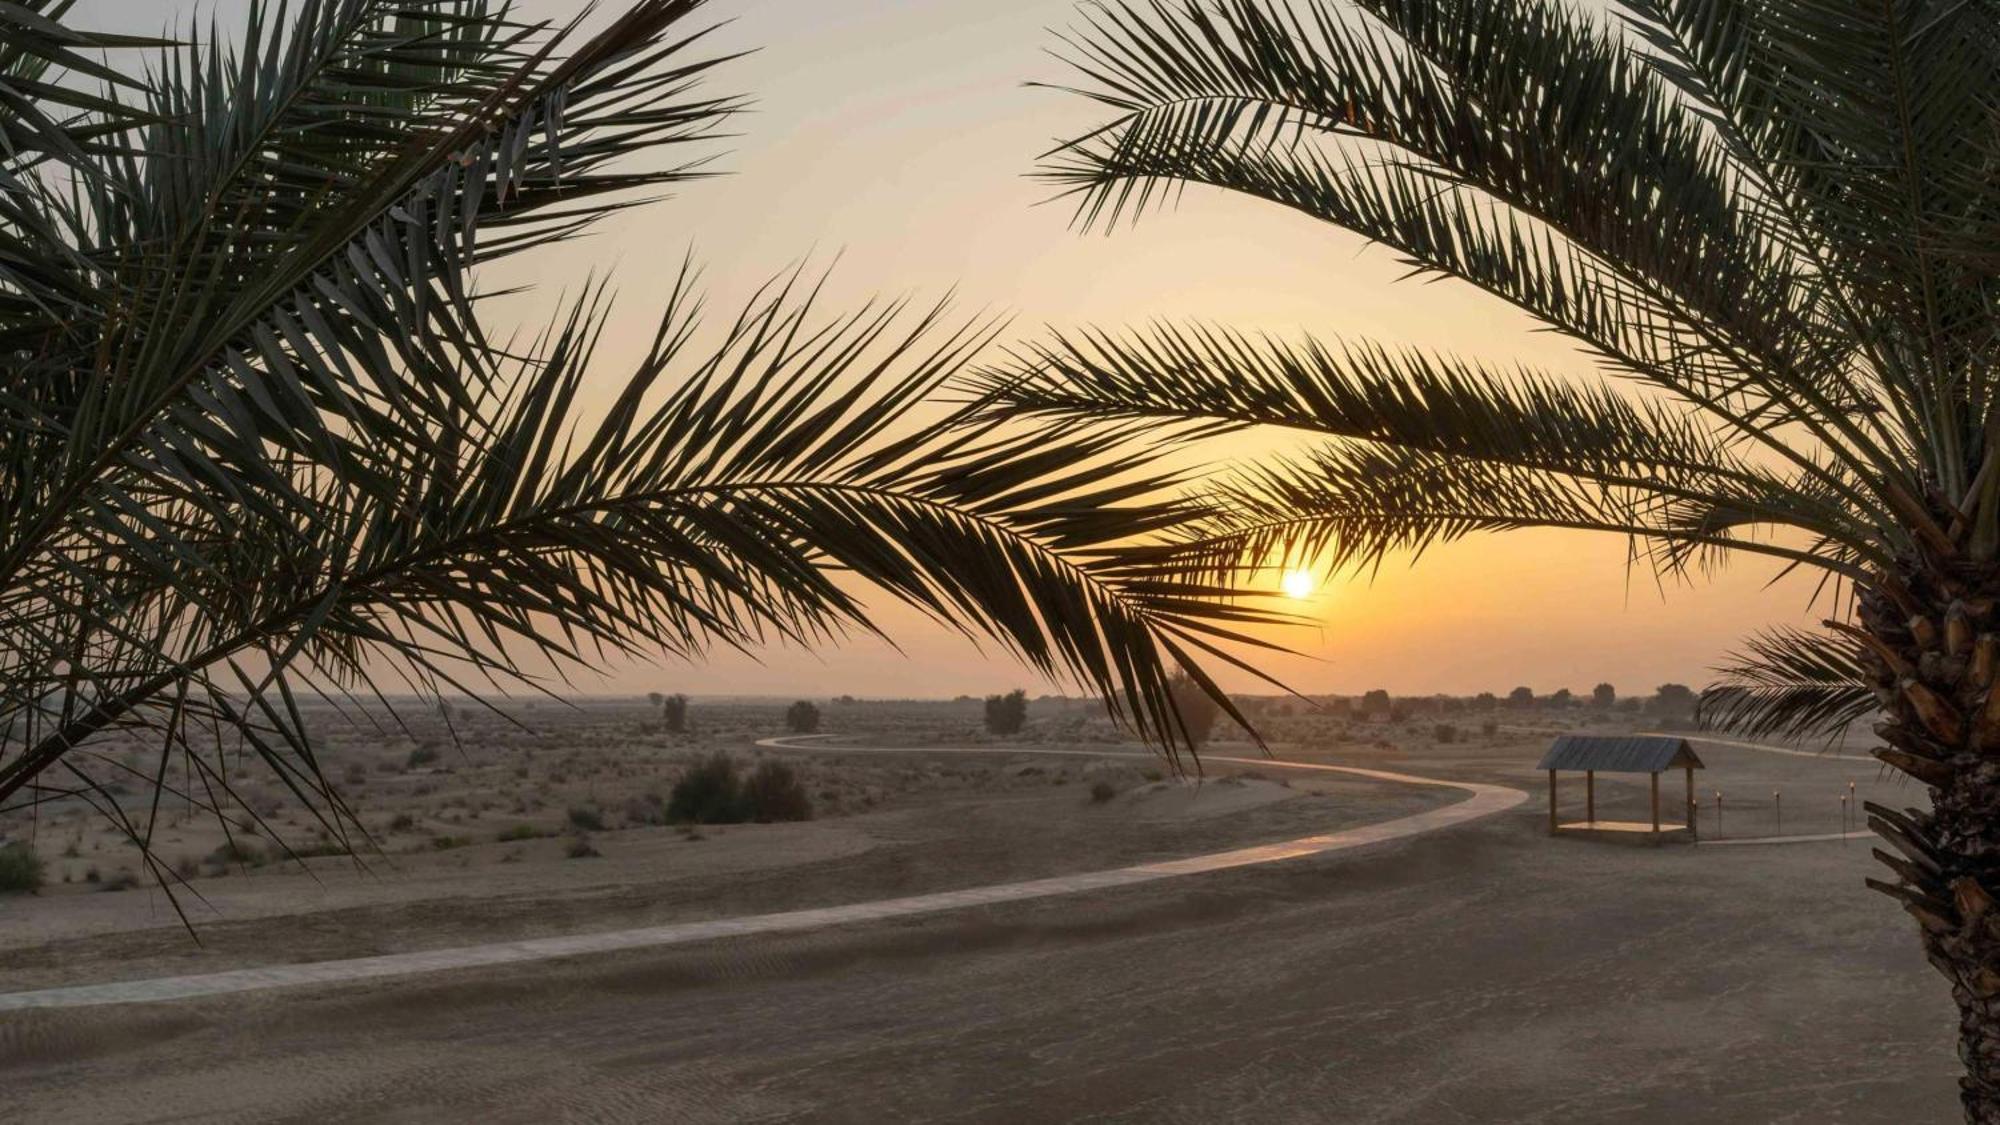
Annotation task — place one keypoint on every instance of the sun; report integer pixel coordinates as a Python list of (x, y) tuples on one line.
[(1297, 584)]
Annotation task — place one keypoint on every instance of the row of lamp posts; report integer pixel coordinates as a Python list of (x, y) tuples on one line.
[(1850, 811)]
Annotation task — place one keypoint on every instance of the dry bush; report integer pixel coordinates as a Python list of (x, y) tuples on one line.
[(21, 870), (712, 792), (773, 793)]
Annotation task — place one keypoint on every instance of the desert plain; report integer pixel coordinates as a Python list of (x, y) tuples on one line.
[(1479, 972)]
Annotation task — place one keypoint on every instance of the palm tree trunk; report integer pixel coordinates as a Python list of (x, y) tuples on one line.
[(1934, 642)]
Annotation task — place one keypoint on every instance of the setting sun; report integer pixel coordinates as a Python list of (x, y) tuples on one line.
[(1297, 583)]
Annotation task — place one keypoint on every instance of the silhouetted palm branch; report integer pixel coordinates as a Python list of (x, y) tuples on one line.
[(259, 445), (1805, 353), (1770, 223)]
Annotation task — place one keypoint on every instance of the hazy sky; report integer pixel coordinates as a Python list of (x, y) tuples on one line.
[(896, 136)]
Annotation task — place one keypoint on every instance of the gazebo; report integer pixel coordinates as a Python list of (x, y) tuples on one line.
[(1594, 754)]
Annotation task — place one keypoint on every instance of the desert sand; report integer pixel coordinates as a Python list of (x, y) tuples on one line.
[(1482, 973)]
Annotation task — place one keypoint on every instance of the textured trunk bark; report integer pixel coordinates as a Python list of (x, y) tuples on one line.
[(1933, 641)]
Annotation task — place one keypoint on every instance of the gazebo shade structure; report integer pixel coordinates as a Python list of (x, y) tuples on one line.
[(1592, 754)]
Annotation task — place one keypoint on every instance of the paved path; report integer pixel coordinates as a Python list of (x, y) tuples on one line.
[(1485, 800), (1823, 755), (1808, 839)]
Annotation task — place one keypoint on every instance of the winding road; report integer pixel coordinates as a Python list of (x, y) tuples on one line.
[(1483, 800)]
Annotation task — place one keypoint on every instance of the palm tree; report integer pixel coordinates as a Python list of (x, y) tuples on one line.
[(257, 442), (1770, 223)]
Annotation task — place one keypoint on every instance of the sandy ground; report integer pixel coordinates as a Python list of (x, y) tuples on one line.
[(941, 822), (1486, 973)]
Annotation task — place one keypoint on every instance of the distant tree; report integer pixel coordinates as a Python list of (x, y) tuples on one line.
[(1630, 703), (845, 700), (1007, 714), (654, 698), (1521, 697), (674, 713), (1674, 699), (1486, 701), (802, 717), (1375, 702), (1198, 711), (1603, 696), (1445, 732), (1561, 698)]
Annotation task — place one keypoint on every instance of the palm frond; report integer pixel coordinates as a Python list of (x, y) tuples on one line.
[(265, 449), (1351, 506), (1789, 683)]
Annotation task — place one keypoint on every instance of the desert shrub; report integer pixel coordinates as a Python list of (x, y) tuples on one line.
[(1198, 712), (518, 832), (802, 717), (646, 809), (1007, 714), (586, 818), (1445, 732), (709, 793), (403, 823), (447, 843), (21, 870), (1490, 727), (674, 713), (773, 793), (237, 852), (713, 792), (1102, 791), (421, 756), (580, 848)]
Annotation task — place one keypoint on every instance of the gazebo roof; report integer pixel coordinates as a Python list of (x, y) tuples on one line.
[(1619, 753)]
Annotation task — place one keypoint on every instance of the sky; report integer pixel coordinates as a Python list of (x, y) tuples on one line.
[(892, 141)]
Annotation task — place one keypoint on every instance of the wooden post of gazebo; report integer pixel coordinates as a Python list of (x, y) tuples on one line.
[(1552, 802), (1590, 796), (1693, 832), (1656, 802)]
